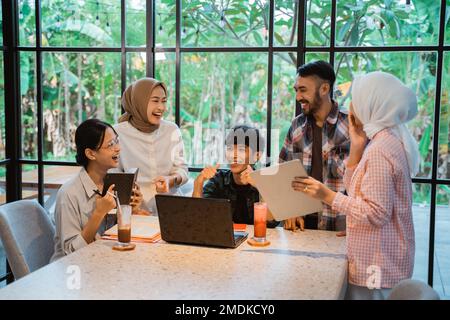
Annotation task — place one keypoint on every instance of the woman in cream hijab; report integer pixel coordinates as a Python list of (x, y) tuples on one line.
[(149, 143), (378, 207)]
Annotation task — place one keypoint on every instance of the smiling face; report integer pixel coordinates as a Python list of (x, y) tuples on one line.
[(107, 155), (239, 157), (310, 92), (156, 105)]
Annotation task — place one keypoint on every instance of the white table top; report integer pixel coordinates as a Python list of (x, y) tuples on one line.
[(300, 265)]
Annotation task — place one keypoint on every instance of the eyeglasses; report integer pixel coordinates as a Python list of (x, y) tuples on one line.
[(111, 144)]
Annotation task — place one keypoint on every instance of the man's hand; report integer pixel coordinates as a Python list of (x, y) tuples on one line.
[(294, 224), (208, 172), (245, 176)]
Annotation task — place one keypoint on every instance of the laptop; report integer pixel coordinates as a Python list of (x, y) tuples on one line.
[(198, 221)]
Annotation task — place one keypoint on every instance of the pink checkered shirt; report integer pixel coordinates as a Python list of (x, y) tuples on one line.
[(380, 230)]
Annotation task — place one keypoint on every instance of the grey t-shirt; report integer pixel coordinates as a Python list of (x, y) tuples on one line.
[(311, 220), (316, 161)]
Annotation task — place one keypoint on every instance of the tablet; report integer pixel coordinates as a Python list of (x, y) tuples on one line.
[(123, 181), (274, 183)]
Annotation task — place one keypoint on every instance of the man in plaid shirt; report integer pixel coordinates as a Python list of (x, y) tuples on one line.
[(319, 138)]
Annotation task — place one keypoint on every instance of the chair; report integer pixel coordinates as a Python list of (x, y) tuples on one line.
[(27, 236), (413, 290)]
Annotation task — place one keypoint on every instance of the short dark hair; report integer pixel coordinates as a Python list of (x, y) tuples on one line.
[(89, 135), (247, 135), (321, 69)]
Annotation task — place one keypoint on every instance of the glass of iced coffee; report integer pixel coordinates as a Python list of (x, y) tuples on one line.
[(124, 225)]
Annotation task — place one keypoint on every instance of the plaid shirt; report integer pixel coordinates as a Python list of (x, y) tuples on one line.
[(380, 229), (335, 149)]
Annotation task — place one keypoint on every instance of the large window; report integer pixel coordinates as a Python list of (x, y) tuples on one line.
[(228, 62), (217, 91)]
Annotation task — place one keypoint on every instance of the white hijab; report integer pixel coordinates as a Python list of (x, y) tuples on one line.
[(381, 101)]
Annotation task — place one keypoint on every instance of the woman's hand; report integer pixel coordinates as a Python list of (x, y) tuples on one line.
[(162, 184), (136, 198), (102, 206), (314, 188), (358, 137), (142, 212), (105, 204), (358, 141), (136, 201)]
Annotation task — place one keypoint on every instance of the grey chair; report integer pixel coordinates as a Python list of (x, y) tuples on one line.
[(27, 236), (413, 290)]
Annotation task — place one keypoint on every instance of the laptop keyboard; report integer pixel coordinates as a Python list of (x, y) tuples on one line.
[(238, 236)]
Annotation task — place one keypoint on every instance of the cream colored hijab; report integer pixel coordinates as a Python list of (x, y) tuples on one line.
[(381, 101), (135, 101)]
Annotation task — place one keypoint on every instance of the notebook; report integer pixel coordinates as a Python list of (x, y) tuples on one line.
[(143, 229), (123, 181), (239, 227), (275, 186)]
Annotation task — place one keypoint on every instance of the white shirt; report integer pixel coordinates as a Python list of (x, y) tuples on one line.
[(159, 153)]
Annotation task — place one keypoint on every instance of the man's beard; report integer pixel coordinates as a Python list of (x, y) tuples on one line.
[(314, 105)]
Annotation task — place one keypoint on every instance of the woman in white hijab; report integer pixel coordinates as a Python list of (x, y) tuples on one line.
[(378, 207), (149, 142)]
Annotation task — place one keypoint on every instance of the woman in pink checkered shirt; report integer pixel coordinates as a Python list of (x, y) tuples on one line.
[(378, 208)]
